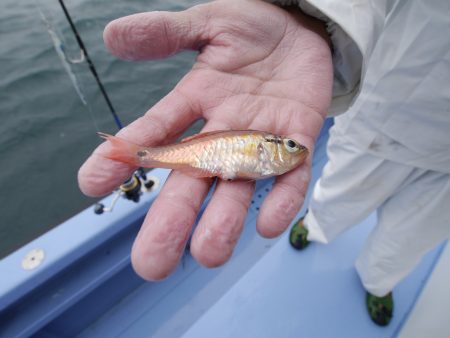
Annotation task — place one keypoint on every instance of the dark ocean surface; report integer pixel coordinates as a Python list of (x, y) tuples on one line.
[(46, 132)]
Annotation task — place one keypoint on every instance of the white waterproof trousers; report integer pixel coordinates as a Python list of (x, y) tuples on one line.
[(413, 209)]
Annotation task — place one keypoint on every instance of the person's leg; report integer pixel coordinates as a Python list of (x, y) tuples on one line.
[(411, 222), (353, 184)]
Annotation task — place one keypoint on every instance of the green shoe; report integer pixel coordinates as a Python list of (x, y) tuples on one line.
[(298, 235), (380, 308)]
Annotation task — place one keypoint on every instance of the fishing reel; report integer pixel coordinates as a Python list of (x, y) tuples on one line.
[(131, 189)]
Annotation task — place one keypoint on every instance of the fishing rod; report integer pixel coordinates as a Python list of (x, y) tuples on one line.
[(90, 64), (138, 183)]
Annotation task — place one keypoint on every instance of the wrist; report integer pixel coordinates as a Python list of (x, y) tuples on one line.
[(311, 23)]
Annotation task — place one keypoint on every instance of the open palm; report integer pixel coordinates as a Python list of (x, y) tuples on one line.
[(259, 67)]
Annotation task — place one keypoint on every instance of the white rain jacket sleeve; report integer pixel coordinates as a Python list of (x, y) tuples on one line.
[(354, 28), (391, 76)]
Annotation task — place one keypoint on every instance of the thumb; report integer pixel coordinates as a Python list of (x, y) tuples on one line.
[(155, 35)]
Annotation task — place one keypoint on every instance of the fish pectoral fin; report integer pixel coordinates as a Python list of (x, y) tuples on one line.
[(194, 172), (228, 175)]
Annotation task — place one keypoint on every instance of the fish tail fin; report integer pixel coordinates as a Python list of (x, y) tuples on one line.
[(122, 150)]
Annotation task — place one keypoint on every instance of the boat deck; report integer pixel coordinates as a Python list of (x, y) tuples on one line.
[(86, 287), (283, 293), (315, 293)]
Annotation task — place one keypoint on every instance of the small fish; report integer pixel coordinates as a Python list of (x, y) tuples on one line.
[(236, 154)]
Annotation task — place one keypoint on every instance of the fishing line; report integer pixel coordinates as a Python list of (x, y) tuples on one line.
[(90, 64), (66, 61), (132, 188), (138, 183)]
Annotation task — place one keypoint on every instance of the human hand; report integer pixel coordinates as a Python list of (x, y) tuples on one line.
[(259, 67)]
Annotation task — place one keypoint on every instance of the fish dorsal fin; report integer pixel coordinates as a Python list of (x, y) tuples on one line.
[(201, 135), (210, 133)]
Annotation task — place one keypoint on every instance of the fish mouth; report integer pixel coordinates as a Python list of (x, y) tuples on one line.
[(303, 149)]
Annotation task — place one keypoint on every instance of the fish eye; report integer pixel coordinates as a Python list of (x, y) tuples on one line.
[(291, 145)]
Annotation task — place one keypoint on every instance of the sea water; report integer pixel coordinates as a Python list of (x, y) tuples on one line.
[(46, 131)]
